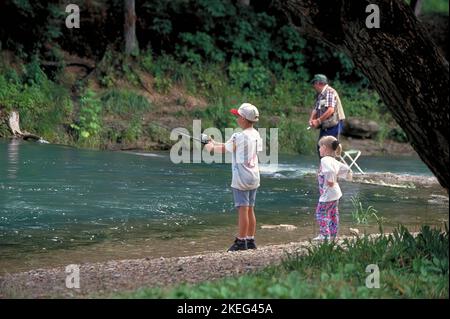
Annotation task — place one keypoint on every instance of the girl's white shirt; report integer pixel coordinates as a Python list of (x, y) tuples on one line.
[(331, 169)]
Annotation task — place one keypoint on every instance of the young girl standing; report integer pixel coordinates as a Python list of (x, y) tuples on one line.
[(327, 212)]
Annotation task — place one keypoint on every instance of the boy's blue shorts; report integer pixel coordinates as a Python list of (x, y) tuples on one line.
[(244, 198)]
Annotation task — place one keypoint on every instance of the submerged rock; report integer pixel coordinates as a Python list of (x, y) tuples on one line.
[(280, 227), (438, 199)]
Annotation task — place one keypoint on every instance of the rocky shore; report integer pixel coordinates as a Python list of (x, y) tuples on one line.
[(103, 279)]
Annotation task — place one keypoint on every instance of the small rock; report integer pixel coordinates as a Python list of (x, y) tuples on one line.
[(281, 227)]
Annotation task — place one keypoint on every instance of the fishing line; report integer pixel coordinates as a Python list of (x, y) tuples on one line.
[(204, 139)]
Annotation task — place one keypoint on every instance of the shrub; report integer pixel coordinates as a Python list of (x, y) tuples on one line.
[(44, 106), (254, 78), (294, 137), (124, 103), (398, 135), (362, 215), (89, 123), (197, 48)]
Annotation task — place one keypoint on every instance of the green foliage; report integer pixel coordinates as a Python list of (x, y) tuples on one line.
[(360, 102), (43, 105), (360, 214), (436, 6), (198, 47), (162, 27), (162, 84), (9, 91), (116, 66), (53, 27), (433, 6), (24, 5), (106, 69), (146, 60), (287, 93), (254, 78), (129, 74), (124, 103), (398, 135), (220, 116), (132, 132), (411, 267), (210, 80), (294, 137), (127, 110), (33, 72), (164, 69), (218, 31), (288, 50), (251, 38), (88, 126), (157, 134)]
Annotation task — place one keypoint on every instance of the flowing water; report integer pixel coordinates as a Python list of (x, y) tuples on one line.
[(60, 205)]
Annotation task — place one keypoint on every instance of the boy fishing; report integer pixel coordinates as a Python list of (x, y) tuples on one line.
[(245, 172)]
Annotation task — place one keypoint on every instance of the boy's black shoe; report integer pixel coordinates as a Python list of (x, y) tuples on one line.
[(239, 244), (251, 244)]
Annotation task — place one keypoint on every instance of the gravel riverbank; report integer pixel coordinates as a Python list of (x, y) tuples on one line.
[(102, 279)]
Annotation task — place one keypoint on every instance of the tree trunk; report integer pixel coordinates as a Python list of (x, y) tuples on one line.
[(400, 60), (131, 43), (244, 3), (13, 123), (14, 126), (416, 6)]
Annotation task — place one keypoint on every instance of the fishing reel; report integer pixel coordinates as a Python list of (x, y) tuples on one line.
[(204, 139)]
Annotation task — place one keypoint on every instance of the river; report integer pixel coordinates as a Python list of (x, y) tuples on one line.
[(60, 205)]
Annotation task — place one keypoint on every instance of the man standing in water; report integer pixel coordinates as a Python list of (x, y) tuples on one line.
[(328, 114)]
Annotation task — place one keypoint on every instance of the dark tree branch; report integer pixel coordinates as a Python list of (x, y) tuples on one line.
[(88, 67), (416, 6)]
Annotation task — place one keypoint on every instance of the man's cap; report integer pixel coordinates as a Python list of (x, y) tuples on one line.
[(247, 111), (319, 78)]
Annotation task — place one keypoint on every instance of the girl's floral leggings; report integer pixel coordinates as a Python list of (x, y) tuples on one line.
[(327, 216)]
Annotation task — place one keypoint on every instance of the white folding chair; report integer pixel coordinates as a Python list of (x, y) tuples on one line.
[(352, 156)]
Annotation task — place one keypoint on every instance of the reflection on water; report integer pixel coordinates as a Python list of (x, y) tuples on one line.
[(79, 205), (13, 158)]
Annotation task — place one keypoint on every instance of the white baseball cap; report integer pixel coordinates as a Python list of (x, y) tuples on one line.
[(247, 111)]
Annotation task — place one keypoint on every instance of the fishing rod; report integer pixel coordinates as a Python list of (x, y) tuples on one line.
[(204, 139)]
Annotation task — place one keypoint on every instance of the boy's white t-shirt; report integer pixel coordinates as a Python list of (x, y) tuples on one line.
[(331, 169), (245, 146)]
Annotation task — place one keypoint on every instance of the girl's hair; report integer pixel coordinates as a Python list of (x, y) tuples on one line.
[(332, 143)]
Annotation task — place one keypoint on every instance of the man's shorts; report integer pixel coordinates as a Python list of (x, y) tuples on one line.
[(244, 198)]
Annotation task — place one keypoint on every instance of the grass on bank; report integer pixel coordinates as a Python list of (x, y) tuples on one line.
[(410, 267), (113, 110)]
